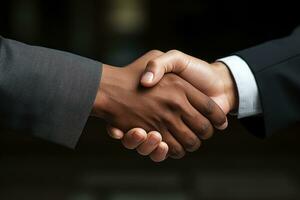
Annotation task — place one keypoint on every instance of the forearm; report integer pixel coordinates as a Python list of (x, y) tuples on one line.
[(275, 65), (47, 93), (263, 75)]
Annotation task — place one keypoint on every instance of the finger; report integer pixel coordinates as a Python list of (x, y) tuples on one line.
[(223, 126), (150, 144), (160, 153), (206, 106), (173, 61), (184, 135), (114, 133), (150, 55), (134, 137), (198, 123), (176, 151)]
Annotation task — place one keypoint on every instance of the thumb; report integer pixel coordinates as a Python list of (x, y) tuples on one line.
[(173, 61), (152, 74)]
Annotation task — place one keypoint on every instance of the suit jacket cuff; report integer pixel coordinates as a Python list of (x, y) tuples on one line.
[(249, 102)]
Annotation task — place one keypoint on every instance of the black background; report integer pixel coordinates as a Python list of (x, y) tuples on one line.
[(232, 165)]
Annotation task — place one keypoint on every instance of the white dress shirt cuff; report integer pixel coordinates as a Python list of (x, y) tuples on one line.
[(249, 102)]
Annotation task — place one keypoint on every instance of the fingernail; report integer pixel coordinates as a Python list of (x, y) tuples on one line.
[(148, 77)]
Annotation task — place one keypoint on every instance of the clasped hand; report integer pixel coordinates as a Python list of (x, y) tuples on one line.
[(164, 104)]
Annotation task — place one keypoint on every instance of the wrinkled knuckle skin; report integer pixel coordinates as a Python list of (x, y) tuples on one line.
[(206, 131), (210, 107), (204, 127), (177, 103)]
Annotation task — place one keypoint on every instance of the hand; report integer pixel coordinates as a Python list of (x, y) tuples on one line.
[(213, 79), (174, 107)]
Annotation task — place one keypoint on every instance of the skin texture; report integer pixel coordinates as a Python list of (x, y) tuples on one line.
[(177, 110), (213, 80)]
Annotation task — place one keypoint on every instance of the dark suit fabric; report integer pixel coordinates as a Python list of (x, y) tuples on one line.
[(276, 68), (45, 92)]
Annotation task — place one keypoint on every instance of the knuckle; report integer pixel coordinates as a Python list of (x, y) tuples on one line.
[(210, 107), (174, 52), (176, 82), (206, 131), (177, 100), (155, 52), (205, 126), (177, 103)]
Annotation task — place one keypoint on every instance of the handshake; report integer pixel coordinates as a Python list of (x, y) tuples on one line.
[(165, 104)]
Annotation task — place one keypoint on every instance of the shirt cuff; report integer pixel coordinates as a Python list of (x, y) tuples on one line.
[(249, 101)]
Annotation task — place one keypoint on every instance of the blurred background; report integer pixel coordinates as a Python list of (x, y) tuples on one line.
[(232, 165)]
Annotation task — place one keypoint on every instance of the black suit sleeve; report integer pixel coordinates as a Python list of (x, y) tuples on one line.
[(276, 68), (46, 93)]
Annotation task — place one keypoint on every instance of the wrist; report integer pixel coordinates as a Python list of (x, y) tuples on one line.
[(230, 89), (102, 103)]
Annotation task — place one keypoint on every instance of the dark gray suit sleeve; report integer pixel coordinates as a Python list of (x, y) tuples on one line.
[(276, 67), (45, 92)]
